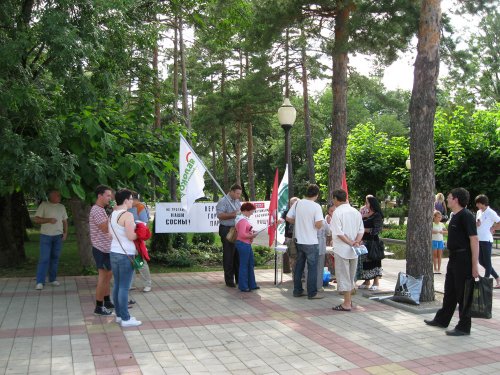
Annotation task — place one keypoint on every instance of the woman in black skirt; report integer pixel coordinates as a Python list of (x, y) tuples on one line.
[(373, 221)]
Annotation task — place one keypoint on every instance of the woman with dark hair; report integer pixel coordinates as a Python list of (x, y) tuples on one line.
[(122, 228), (246, 280), (373, 221)]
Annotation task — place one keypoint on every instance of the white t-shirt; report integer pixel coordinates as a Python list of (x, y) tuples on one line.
[(52, 210), (437, 227), (306, 213), (346, 221), (488, 219)]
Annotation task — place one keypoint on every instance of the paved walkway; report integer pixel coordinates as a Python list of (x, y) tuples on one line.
[(193, 324)]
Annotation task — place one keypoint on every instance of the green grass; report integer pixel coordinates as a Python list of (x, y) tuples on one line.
[(69, 262)]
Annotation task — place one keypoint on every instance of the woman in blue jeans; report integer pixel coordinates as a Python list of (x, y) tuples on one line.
[(246, 280), (122, 228)]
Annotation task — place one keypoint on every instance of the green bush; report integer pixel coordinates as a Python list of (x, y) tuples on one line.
[(262, 255), (206, 254), (207, 238), (175, 258), (395, 212), (397, 233)]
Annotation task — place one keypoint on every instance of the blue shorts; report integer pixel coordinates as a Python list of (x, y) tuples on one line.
[(437, 245), (102, 260)]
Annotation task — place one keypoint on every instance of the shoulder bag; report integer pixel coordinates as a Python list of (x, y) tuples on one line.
[(375, 249), (137, 262)]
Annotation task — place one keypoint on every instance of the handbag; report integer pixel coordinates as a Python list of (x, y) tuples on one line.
[(375, 249), (478, 298), (137, 262), (408, 289), (232, 235)]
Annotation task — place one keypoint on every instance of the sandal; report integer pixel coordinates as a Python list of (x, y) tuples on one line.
[(340, 308), (496, 286), (373, 287), (363, 286)]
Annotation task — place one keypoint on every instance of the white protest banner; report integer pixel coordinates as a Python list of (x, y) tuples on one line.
[(202, 218)]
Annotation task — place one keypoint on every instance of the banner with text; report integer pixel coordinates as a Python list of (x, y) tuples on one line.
[(201, 218)]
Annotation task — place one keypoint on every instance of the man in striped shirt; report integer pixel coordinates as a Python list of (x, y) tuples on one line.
[(101, 245)]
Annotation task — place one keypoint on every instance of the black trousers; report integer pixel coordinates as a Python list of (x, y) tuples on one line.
[(459, 269), (230, 258)]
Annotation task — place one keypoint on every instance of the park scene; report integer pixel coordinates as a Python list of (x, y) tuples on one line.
[(249, 187)]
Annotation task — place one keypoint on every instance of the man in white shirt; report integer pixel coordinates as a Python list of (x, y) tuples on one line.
[(347, 231), (487, 222), (53, 221), (307, 217)]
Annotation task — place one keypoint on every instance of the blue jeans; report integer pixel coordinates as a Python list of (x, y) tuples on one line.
[(122, 273), (485, 259), (309, 253), (50, 250), (246, 276)]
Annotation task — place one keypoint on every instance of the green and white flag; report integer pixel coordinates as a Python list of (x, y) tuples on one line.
[(282, 204), (191, 171)]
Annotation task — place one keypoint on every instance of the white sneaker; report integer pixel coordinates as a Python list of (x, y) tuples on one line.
[(55, 283), (118, 320), (39, 286), (147, 289), (132, 322)]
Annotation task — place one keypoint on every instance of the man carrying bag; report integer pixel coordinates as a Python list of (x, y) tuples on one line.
[(463, 245)]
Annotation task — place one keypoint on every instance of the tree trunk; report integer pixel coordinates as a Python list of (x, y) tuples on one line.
[(251, 175), (80, 211), (156, 87), (339, 88), (422, 111), (182, 52), (238, 154), (12, 229), (224, 159), (175, 73), (307, 117)]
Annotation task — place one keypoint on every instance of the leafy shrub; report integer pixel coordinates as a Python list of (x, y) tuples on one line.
[(395, 212), (175, 258), (397, 233), (206, 254), (262, 255), (207, 238)]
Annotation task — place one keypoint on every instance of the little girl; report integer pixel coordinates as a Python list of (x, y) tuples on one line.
[(438, 229)]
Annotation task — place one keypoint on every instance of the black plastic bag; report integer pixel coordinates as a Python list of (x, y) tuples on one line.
[(478, 298), (375, 249)]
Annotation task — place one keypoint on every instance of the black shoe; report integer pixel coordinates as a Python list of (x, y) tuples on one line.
[(246, 290), (231, 285), (457, 332), (109, 305), (301, 294), (433, 323), (103, 311), (257, 287)]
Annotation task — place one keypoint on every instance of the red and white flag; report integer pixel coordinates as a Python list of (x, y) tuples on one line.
[(344, 185), (273, 210)]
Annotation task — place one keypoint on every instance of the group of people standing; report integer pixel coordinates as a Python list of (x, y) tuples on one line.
[(112, 235)]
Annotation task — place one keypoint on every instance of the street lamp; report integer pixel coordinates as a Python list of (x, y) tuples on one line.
[(286, 117)]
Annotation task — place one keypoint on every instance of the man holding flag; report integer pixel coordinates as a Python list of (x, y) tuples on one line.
[(227, 210)]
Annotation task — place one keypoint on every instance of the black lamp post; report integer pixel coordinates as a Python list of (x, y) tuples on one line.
[(286, 117)]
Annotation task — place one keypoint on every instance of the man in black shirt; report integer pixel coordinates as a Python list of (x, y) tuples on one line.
[(463, 245)]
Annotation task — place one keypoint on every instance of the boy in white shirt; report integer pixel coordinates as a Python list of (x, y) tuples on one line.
[(487, 222)]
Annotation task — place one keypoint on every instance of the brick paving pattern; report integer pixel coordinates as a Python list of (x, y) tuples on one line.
[(193, 324)]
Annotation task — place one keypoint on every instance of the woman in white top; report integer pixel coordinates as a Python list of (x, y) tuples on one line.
[(122, 228)]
